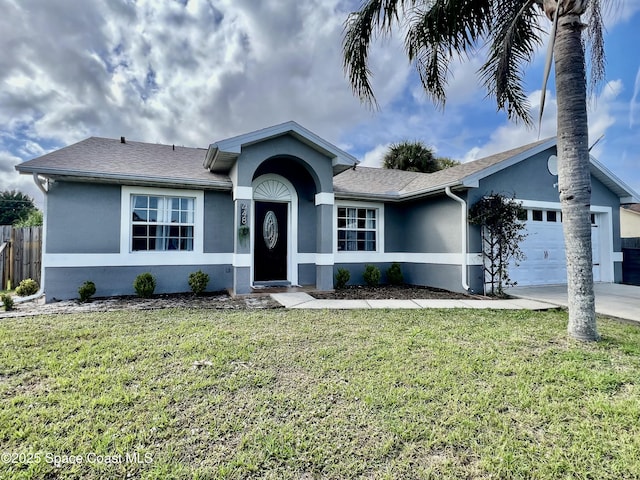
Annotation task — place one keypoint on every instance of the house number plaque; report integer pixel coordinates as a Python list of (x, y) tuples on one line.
[(270, 230), (243, 214)]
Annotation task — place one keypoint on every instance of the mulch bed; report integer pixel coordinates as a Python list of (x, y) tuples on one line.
[(391, 292), (222, 300)]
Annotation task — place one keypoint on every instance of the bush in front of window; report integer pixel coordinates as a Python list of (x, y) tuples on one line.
[(144, 285), (7, 301), (342, 278), (27, 287), (86, 291), (371, 275), (394, 274), (198, 281)]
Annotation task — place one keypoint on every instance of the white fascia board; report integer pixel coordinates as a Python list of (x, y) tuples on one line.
[(128, 179), (474, 179), (234, 145)]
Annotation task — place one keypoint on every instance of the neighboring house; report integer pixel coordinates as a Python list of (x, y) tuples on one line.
[(283, 206), (630, 221)]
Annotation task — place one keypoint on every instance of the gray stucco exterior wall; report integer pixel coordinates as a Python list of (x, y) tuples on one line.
[(431, 225), (83, 218), (218, 222), (63, 283)]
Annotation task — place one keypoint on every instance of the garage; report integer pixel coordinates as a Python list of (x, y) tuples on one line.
[(543, 247)]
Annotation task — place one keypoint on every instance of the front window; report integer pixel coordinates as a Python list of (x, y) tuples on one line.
[(161, 223), (357, 229)]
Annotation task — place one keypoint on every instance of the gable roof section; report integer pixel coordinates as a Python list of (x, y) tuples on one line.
[(395, 185), (222, 154), (109, 160)]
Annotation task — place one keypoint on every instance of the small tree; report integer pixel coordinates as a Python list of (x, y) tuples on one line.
[(501, 226)]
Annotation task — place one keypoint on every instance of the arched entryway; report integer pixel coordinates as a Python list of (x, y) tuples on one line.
[(274, 243)]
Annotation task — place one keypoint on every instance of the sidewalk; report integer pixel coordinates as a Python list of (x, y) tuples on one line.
[(304, 300)]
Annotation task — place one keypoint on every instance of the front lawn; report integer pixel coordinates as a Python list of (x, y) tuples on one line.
[(310, 394)]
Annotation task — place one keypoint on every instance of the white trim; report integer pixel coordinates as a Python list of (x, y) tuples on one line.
[(407, 257), (325, 198), (234, 145), (324, 259), (60, 260), (242, 193), (242, 260), (167, 257), (379, 230), (292, 227), (617, 256)]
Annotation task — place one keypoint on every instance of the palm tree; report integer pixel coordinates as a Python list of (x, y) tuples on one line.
[(414, 157), (438, 31)]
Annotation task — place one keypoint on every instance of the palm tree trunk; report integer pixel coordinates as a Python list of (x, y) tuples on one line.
[(574, 176)]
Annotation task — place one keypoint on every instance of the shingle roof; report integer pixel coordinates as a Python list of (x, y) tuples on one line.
[(634, 207), (107, 159), (379, 182)]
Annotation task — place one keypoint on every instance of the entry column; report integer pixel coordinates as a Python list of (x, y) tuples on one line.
[(324, 240), (242, 198)]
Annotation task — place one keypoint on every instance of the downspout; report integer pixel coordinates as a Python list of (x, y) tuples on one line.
[(463, 236), (40, 183)]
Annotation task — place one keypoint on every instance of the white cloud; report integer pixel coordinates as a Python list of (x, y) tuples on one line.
[(374, 157), (511, 135)]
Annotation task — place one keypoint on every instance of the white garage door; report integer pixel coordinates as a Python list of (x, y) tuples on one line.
[(545, 263)]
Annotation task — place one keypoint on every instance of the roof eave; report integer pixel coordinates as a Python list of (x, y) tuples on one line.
[(221, 155), (473, 180), (611, 181), (399, 196), (55, 174)]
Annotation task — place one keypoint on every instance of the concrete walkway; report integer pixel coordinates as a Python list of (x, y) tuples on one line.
[(612, 299), (304, 300)]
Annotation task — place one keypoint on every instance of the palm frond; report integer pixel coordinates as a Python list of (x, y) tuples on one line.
[(595, 44), (375, 16), (515, 35), (439, 31), (547, 64)]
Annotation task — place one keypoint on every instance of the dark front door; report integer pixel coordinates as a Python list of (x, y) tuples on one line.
[(270, 243)]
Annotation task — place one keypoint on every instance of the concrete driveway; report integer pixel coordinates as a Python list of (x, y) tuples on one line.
[(613, 299)]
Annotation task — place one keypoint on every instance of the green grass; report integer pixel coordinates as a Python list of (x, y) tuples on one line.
[(307, 394)]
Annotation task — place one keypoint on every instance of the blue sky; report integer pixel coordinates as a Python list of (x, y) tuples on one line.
[(195, 72)]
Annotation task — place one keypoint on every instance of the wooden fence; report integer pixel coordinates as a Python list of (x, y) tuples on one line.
[(20, 254), (631, 261)]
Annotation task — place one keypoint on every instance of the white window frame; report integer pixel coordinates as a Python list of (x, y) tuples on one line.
[(379, 208), (126, 224)]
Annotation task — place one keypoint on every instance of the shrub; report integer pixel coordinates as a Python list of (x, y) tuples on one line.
[(7, 301), (394, 274), (342, 278), (198, 281), (27, 287), (144, 285), (86, 291), (371, 275)]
